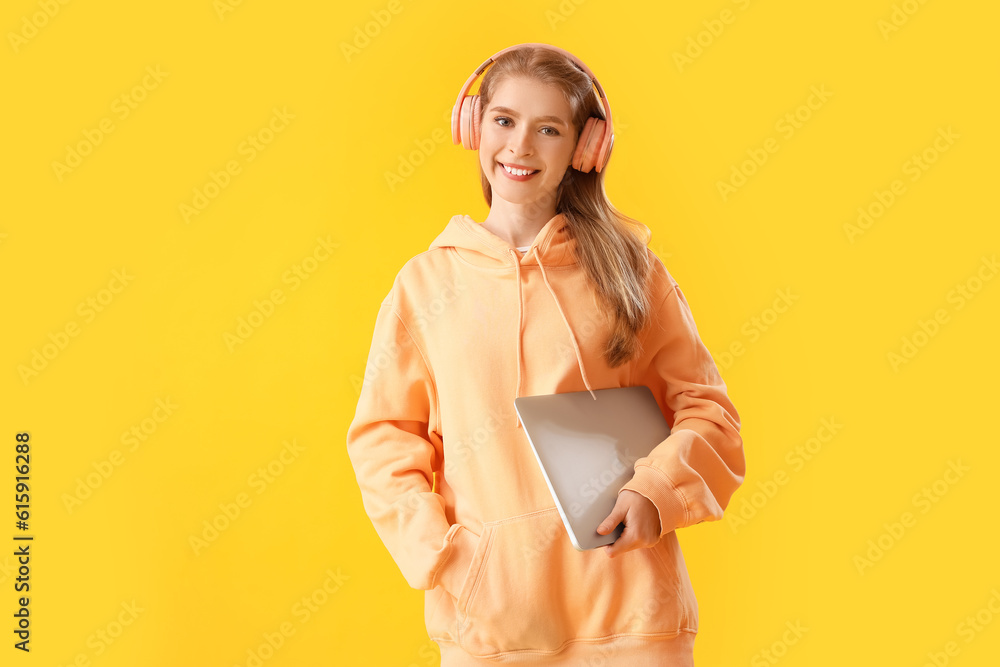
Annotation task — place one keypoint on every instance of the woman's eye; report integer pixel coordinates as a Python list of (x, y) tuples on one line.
[(504, 122)]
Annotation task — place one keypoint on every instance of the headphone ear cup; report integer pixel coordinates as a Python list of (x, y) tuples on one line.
[(477, 122), (588, 146), (607, 152), (468, 122), (601, 146)]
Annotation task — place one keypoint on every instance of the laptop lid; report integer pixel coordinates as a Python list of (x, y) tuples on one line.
[(587, 448)]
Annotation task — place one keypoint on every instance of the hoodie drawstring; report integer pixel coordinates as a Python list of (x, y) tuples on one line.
[(572, 336), (520, 309)]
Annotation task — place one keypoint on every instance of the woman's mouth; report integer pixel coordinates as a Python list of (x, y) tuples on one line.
[(517, 174)]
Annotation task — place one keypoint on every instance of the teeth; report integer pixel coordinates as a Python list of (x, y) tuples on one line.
[(519, 172)]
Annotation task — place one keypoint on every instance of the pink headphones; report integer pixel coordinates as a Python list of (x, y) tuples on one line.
[(594, 146)]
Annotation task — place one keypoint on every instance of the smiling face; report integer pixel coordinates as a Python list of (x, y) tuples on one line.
[(527, 126)]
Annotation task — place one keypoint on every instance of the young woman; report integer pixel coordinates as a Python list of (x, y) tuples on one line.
[(555, 291)]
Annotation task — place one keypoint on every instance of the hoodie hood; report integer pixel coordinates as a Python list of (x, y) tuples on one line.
[(481, 247), (553, 246)]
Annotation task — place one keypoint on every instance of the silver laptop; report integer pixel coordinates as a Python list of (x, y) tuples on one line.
[(587, 449)]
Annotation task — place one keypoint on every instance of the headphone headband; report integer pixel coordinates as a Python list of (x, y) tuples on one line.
[(607, 138)]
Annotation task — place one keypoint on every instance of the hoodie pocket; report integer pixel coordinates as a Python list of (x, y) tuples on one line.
[(528, 589)]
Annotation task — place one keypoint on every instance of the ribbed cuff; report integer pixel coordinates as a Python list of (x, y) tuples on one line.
[(655, 486), (455, 569)]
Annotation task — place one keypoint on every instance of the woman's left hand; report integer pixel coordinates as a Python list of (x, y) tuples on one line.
[(642, 523)]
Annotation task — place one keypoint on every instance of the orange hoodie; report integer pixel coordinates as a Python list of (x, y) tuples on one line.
[(452, 487)]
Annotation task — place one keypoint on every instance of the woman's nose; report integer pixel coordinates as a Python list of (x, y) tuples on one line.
[(521, 142)]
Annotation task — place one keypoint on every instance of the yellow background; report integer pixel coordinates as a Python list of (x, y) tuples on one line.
[(292, 384)]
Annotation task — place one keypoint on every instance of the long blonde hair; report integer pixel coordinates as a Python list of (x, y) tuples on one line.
[(608, 242)]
